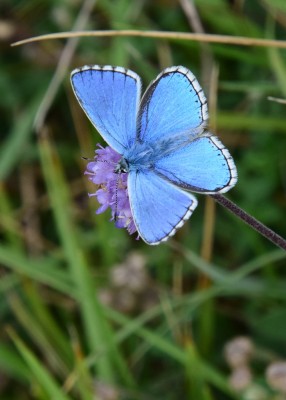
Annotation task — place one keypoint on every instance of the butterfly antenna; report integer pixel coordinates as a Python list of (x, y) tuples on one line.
[(116, 203), (96, 160)]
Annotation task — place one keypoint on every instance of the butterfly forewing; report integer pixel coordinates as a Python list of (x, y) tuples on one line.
[(110, 98), (173, 103)]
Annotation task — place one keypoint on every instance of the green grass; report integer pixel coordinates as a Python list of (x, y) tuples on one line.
[(59, 339)]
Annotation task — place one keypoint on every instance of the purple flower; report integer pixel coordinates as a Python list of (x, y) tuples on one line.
[(112, 191)]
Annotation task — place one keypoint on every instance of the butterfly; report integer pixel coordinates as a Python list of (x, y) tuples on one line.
[(162, 138)]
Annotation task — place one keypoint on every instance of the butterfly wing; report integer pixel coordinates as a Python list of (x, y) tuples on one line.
[(173, 104), (158, 207), (172, 119), (110, 98), (204, 165)]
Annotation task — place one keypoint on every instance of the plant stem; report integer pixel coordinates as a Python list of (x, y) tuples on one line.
[(251, 221)]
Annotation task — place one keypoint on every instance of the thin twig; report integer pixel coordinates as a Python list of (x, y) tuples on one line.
[(251, 221), (192, 15), (207, 60), (276, 99), (198, 37), (210, 206)]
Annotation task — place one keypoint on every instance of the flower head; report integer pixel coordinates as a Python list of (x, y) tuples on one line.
[(112, 191)]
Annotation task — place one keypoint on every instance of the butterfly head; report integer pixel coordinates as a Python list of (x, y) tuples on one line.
[(122, 166)]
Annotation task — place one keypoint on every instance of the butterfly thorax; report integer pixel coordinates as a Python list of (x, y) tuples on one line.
[(140, 156)]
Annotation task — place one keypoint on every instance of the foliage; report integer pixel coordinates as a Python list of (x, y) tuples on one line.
[(70, 329)]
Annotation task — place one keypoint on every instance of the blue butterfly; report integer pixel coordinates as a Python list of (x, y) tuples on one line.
[(162, 138)]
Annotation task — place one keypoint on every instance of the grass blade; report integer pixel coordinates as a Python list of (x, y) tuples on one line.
[(42, 376), (97, 329)]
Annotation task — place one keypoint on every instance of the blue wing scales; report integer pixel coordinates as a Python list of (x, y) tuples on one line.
[(158, 207), (110, 98), (204, 165), (173, 104)]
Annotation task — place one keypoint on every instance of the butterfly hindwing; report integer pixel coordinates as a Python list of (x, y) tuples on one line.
[(110, 98), (158, 207), (173, 104), (204, 165)]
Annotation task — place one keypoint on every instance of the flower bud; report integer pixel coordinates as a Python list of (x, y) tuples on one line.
[(238, 351), (276, 376), (240, 378)]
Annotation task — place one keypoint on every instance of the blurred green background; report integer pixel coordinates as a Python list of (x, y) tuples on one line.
[(88, 312)]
